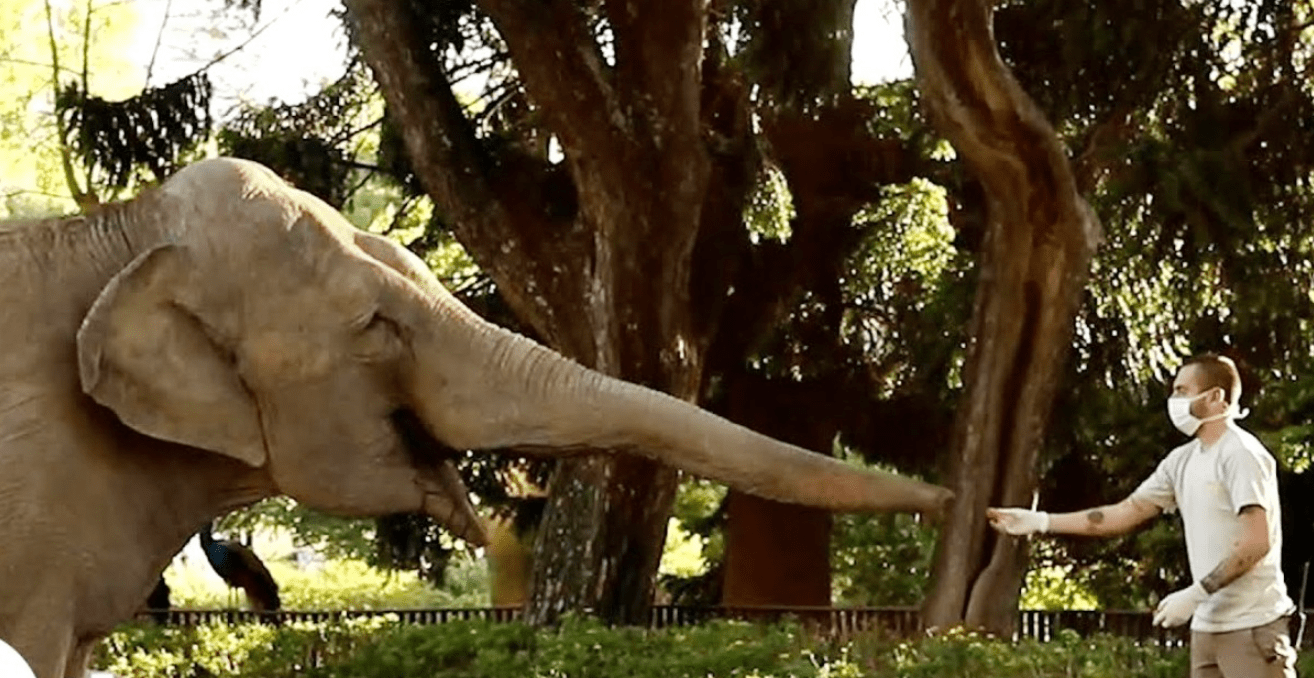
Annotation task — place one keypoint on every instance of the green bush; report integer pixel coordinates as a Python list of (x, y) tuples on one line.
[(384, 648), (341, 584), (966, 654), (221, 651)]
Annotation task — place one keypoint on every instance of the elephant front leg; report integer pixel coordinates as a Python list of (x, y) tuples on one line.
[(45, 643), (79, 660)]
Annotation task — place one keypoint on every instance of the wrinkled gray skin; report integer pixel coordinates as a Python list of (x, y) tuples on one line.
[(224, 338)]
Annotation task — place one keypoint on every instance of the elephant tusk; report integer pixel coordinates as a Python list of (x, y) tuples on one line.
[(467, 526)]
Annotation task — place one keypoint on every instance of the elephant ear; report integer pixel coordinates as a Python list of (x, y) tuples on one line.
[(145, 355)]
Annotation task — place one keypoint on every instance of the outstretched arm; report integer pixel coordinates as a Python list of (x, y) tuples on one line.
[(1101, 521), (1105, 521)]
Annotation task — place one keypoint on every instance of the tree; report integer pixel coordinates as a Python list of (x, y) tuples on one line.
[(1198, 151), (1174, 143), (1040, 237), (615, 242), (631, 254)]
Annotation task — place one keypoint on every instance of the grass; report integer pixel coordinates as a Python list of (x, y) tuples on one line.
[(336, 584)]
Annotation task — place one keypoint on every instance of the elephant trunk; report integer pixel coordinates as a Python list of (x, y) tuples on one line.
[(480, 387)]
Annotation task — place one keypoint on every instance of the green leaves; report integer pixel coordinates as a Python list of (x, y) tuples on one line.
[(880, 559), (586, 649), (155, 129), (381, 649), (343, 584)]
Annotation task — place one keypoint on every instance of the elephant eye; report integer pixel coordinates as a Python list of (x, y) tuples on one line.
[(378, 338)]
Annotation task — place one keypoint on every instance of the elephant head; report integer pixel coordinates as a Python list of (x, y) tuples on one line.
[(263, 326)]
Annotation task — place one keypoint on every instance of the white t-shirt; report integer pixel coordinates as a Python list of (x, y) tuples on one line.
[(1210, 486), (12, 664)]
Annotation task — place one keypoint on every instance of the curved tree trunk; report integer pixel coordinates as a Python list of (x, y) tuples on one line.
[(1039, 241)]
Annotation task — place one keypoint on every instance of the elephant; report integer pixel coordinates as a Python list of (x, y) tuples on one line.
[(223, 337)]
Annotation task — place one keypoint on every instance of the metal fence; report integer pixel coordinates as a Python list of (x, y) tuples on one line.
[(899, 622)]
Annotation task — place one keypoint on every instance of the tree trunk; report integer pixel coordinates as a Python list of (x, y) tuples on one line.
[(1040, 237), (775, 553), (624, 256), (599, 265)]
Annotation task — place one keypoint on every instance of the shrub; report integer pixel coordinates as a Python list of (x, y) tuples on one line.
[(343, 584), (963, 653), (582, 648)]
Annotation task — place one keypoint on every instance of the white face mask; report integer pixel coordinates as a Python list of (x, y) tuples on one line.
[(1179, 411)]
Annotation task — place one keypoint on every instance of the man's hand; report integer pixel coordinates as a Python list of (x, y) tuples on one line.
[(1178, 606), (1018, 521)]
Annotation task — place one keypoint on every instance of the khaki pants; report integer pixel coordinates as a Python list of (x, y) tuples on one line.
[(1261, 652)]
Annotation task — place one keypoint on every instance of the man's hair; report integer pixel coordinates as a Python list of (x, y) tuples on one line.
[(1218, 371)]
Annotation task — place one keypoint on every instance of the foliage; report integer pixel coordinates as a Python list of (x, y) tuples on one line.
[(332, 536), (699, 511), (363, 649), (682, 555), (319, 144), (880, 559), (961, 653), (220, 651), (905, 291), (770, 207), (1189, 125), (342, 584), (31, 180), (156, 129), (586, 649), (1054, 588)]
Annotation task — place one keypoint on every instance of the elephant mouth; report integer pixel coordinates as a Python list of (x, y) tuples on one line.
[(446, 498), (424, 450)]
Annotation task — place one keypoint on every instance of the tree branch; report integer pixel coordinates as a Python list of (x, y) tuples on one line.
[(659, 46), (563, 71), (451, 164), (86, 50), (159, 38), (1093, 163), (37, 64), (84, 199), (251, 38), (974, 99), (439, 137)]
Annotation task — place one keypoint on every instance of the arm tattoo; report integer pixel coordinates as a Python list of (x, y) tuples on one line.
[(1233, 566), (1228, 571), (1095, 518)]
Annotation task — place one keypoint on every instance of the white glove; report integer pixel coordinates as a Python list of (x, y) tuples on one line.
[(1017, 521), (1177, 607)]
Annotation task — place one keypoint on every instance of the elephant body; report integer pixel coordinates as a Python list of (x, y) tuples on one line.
[(223, 338), (83, 498)]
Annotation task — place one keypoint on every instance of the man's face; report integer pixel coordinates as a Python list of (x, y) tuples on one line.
[(1188, 385)]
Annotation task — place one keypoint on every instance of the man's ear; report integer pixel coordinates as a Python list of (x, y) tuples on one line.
[(148, 357)]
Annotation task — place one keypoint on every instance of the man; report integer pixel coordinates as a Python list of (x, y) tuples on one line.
[(1224, 483)]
